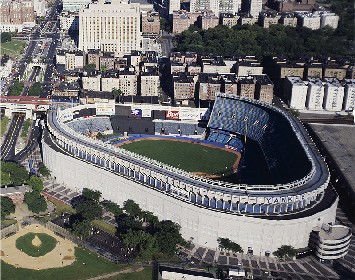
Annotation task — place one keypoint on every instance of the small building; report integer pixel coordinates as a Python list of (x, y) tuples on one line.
[(91, 81), (267, 19), (264, 89), (229, 84), (16, 193), (246, 67), (313, 69), (128, 82), (93, 58), (150, 23), (229, 20), (66, 89), (288, 19), (107, 61)]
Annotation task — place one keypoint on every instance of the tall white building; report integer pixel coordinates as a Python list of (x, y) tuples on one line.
[(174, 5), (333, 95), (315, 94), (40, 7), (296, 92), (74, 5), (216, 6), (349, 94), (255, 7), (112, 27)]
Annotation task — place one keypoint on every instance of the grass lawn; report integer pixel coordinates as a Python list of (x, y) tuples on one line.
[(186, 156), (145, 274), (4, 123), (6, 223), (61, 207), (104, 226), (12, 48), (94, 265), (24, 243)]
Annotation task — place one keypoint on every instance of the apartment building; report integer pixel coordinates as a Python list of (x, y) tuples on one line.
[(91, 81), (246, 67), (267, 19), (315, 94), (182, 21), (288, 19), (333, 94), (110, 27), (69, 22), (149, 82), (309, 20), (264, 89), (128, 82), (207, 20), (110, 80), (216, 6), (229, 20), (16, 15), (246, 87), (173, 5), (295, 92), (150, 23), (74, 5), (184, 86), (349, 94), (209, 84)]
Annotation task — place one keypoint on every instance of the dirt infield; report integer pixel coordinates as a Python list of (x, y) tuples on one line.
[(192, 141), (61, 255)]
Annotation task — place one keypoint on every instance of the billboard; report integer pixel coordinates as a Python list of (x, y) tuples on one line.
[(189, 115), (172, 115), (136, 112), (105, 109)]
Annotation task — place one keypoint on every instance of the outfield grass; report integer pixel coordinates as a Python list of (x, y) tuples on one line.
[(24, 243), (94, 266), (145, 274), (12, 48), (186, 156)]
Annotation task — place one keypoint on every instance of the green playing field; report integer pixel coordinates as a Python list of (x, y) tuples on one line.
[(191, 157)]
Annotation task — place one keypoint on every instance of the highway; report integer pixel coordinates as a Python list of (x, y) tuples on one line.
[(8, 147)]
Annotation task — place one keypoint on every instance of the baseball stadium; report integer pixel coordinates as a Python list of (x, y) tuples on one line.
[(244, 170)]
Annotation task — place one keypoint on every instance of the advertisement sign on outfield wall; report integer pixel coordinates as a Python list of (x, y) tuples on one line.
[(172, 115), (105, 109)]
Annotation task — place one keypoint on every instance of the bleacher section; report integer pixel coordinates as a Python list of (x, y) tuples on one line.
[(227, 139), (168, 127), (281, 148), (91, 125)]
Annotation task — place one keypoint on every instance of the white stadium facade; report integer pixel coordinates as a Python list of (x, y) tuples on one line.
[(260, 217)]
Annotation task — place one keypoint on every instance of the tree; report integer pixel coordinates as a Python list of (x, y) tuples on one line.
[(36, 183), (285, 251), (91, 194), (35, 89), (112, 207), (82, 229), (43, 170), (117, 93), (89, 209), (35, 201), (5, 37), (18, 175), (7, 206), (5, 179), (168, 237), (17, 88), (90, 67), (132, 208), (126, 222), (143, 242), (229, 245)]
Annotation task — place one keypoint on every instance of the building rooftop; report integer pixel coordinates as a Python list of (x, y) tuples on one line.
[(110, 74), (315, 81), (335, 232), (183, 78), (296, 80), (339, 142), (212, 78)]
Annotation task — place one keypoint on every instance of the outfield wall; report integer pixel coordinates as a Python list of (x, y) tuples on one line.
[(202, 224)]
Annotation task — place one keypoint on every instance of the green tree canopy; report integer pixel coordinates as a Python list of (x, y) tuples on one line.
[(132, 208), (36, 183), (5, 37), (91, 194), (17, 174), (168, 237), (42, 169), (35, 201), (90, 67), (285, 251), (89, 209), (112, 207), (82, 229), (35, 89), (229, 245), (143, 242), (255, 40), (7, 206), (5, 179)]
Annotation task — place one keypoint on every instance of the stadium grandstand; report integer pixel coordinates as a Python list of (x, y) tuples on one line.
[(294, 198)]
